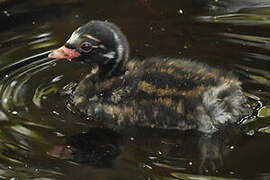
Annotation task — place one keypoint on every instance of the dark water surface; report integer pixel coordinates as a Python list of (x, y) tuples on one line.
[(41, 139)]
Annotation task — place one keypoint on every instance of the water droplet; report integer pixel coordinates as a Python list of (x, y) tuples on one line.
[(14, 112), (44, 97), (56, 113), (180, 11)]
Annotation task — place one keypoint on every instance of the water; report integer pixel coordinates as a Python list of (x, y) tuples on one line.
[(40, 138)]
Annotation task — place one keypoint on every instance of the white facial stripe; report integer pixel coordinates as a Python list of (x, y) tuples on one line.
[(91, 37), (120, 52), (109, 55), (73, 38), (120, 48)]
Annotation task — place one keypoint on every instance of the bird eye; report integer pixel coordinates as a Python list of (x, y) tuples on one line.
[(86, 47)]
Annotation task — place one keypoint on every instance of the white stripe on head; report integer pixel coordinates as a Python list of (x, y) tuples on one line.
[(120, 48), (110, 55), (74, 36), (91, 37)]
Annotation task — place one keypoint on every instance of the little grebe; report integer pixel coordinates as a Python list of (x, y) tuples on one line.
[(157, 92)]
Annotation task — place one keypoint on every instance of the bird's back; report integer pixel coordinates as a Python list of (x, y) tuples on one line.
[(165, 93)]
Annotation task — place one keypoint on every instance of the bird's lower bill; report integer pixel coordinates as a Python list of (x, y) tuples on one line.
[(64, 53)]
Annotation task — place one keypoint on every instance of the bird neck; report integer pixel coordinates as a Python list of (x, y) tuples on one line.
[(115, 65)]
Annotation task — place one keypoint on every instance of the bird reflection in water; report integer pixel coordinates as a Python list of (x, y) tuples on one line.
[(95, 147), (102, 147)]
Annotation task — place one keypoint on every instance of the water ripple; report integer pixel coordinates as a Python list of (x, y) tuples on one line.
[(237, 18), (248, 40), (15, 83)]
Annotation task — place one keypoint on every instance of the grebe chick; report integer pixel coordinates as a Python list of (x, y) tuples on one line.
[(157, 92)]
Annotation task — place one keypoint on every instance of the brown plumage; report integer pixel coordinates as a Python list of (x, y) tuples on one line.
[(157, 92)]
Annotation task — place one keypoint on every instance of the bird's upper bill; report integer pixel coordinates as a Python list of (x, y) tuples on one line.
[(64, 53)]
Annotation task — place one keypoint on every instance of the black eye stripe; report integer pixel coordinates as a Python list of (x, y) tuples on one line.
[(70, 46)]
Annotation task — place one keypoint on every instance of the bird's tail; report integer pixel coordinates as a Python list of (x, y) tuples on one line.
[(221, 105)]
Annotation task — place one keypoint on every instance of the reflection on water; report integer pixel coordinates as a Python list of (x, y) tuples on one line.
[(40, 138)]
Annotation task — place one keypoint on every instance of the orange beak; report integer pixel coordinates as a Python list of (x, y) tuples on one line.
[(64, 53)]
